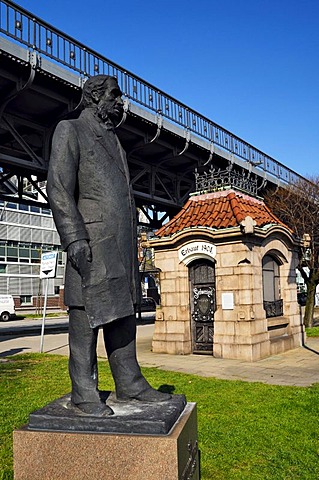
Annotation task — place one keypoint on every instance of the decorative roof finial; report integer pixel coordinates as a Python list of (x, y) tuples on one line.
[(217, 179)]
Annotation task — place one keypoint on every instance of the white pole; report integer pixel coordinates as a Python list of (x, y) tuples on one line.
[(44, 313)]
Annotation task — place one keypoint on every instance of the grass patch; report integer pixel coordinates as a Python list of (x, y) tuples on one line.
[(312, 332), (246, 430), (20, 316)]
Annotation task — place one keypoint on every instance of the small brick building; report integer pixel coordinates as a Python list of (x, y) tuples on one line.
[(228, 279)]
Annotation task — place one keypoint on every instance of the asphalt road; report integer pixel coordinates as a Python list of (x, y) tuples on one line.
[(33, 326), (23, 335), (298, 367)]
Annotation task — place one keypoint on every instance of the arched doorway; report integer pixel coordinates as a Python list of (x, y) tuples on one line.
[(203, 305)]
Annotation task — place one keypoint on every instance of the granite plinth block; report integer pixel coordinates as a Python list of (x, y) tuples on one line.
[(129, 417), (56, 455)]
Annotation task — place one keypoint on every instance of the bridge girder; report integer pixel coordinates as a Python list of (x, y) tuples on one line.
[(37, 94), (32, 104)]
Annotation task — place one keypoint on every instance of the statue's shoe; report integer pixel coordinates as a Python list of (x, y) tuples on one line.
[(95, 409), (147, 395)]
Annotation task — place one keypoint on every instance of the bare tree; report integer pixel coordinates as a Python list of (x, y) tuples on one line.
[(298, 207)]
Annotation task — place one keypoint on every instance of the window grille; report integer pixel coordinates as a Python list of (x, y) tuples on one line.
[(273, 304)]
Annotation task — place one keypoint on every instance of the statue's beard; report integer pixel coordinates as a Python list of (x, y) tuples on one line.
[(103, 112)]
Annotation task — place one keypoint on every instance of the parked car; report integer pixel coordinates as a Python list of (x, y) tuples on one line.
[(148, 304), (302, 298), (7, 309)]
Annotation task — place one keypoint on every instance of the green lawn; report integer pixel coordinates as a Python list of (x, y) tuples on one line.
[(27, 315), (312, 332), (246, 430)]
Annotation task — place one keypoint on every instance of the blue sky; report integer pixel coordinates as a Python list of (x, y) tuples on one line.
[(249, 65)]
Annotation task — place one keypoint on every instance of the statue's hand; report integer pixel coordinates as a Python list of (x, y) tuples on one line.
[(79, 254)]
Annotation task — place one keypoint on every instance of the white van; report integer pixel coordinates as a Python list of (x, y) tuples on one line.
[(7, 309)]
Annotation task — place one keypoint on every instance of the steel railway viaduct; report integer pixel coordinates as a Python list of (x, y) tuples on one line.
[(42, 71)]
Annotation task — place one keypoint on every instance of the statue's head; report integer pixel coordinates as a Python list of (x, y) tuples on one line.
[(103, 92)]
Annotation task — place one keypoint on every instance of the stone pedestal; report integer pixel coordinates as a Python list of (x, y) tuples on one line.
[(91, 455)]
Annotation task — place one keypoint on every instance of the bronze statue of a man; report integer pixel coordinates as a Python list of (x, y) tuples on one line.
[(93, 208)]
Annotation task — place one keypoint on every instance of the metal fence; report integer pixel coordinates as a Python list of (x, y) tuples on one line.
[(39, 36)]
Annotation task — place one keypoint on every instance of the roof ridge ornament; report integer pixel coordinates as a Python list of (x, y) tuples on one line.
[(215, 180)]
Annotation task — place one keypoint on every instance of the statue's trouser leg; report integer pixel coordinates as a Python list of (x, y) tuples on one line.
[(83, 359), (120, 344)]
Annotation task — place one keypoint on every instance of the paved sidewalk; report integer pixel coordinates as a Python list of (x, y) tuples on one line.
[(298, 367)]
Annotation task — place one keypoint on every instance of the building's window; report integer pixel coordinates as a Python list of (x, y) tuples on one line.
[(24, 252), (35, 209), (12, 243), (60, 258), (26, 299), (35, 253), (46, 211), (11, 205), (3, 268), (273, 303), (12, 251), (23, 207), (56, 290)]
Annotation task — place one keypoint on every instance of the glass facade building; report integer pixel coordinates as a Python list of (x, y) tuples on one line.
[(25, 232)]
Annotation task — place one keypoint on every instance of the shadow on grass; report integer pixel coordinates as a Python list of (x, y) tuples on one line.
[(166, 388), (303, 343)]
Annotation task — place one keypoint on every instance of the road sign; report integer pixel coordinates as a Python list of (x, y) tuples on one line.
[(49, 262)]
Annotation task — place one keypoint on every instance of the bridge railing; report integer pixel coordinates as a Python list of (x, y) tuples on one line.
[(23, 27)]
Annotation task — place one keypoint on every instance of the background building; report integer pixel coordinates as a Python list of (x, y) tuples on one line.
[(25, 232)]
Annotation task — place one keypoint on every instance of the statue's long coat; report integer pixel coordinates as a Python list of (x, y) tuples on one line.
[(90, 196)]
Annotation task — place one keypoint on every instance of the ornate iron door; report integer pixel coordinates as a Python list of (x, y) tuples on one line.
[(202, 292)]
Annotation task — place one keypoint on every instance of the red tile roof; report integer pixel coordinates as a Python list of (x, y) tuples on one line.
[(219, 210)]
